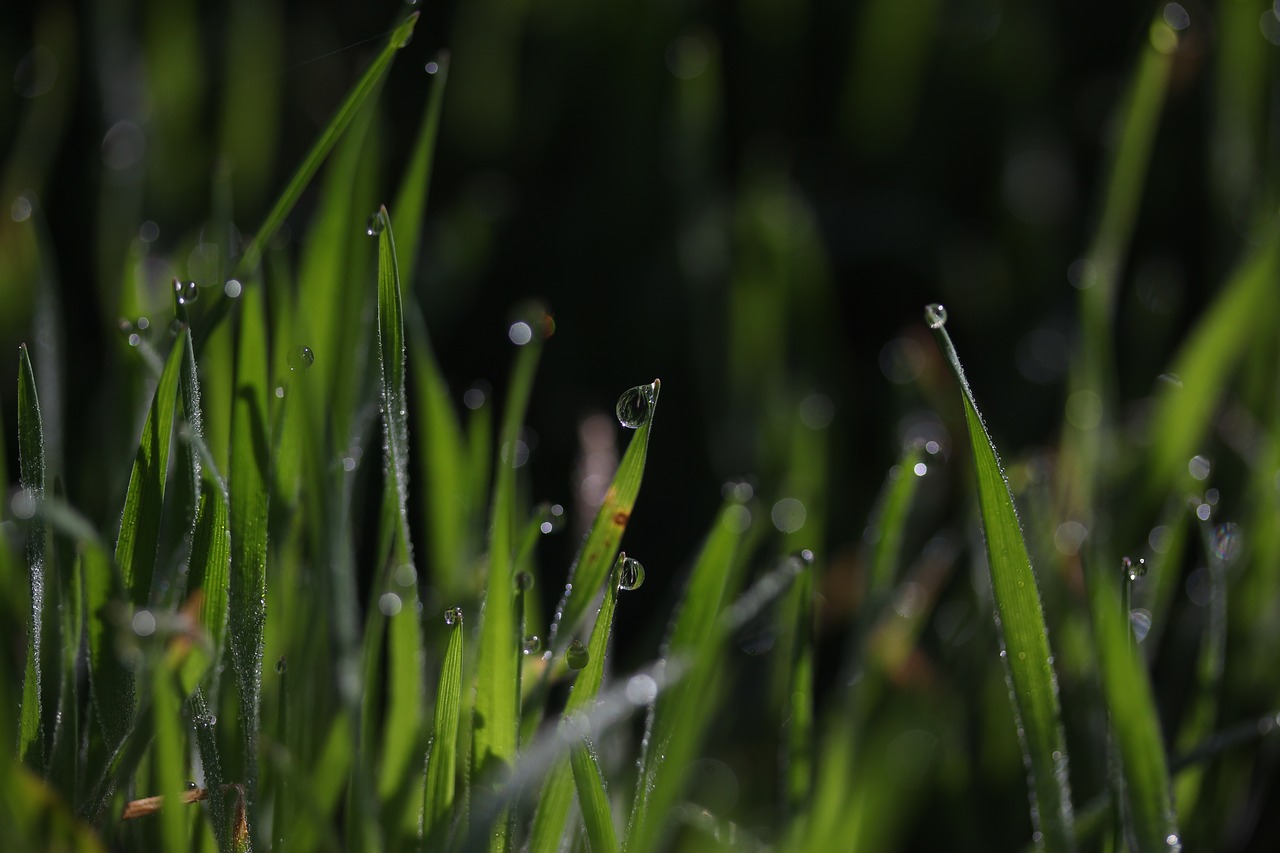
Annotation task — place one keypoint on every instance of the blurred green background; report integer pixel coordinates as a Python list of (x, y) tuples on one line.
[(752, 201)]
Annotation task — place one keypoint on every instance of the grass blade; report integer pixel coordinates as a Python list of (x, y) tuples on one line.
[(594, 799), (556, 796), (144, 501), (442, 762), (594, 560), (411, 200), (1026, 655), (680, 715), (31, 473), (495, 731), (249, 503)]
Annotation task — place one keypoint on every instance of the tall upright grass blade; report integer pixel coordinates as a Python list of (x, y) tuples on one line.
[(1025, 653), (596, 556), (496, 724), (681, 715), (556, 795), (144, 500), (31, 474), (415, 186), (249, 503), (593, 798), (169, 757), (442, 760)]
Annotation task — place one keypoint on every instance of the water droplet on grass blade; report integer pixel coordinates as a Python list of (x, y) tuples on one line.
[(300, 358), (281, 666), (631, 574), (635, 404), (187, 291), (532, 644), (453, 616), (523, 581), (935, 315), (373, 227), (576, 656)]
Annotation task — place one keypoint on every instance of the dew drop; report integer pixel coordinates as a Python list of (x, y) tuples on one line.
[(1133, 570), (631, 574), (532, 645), (523, 581), (431, 67), (191, 786), (187, 291), (520, 333), (635, 405), (453, 616), (373, 227), (300, 358), (576, 656), (935, 315), (232, 288), (281, 666), (1199, 467), (389, 604)]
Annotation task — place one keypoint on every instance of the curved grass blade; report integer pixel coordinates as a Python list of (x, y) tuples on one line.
[(442, 762), (496, 723), (366, 86), (144, 500), (557, 792), (594, 560), (680, 716), (249, 503), (31, 474), (1026, 655)]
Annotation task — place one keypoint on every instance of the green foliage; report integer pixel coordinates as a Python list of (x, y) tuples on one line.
[(306, 584)]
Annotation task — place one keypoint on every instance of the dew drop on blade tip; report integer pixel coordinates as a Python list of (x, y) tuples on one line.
[(375, 224), (630, 574), (935, 315), (635, 405)]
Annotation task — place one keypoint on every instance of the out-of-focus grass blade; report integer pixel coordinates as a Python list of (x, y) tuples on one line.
[(1185, 409), (594, 560), (220, 806), (411, 200), (209, 571), (594, 799), (496, 723), (1033, 687), (1135, 723), (144, 501), (557, 791), (366, 86), (442, 762), (169, 757), (890, 526), (31, 733), (680, 715), (249, 501)]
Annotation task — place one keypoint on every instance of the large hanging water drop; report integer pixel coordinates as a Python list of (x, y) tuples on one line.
[(375, 224), (532, 645), (576, 656), (630, 574), (187, 291), (636, 404), (935, 315)]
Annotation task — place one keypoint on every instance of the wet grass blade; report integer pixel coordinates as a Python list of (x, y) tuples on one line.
[(681, 714), (144, 500), (31, 473), (593, 799), (209, 570), (496, 720), (1026, 654), (556, 796), (169, 757), (249, 503), (596, 556), (411, 200), (356, 98), (442, 762)]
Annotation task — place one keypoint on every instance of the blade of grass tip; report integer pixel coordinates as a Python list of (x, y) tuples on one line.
[(495, 730), (144, 500), (1029, 664), (366, 86), (442, 759), (249, 504), (556, 797), (680, 716), (406, 691), (799, 702), (31, 474), (635, 409), (411, 200)]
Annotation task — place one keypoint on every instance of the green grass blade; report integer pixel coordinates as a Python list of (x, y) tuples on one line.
[(496, 726), (169, 758), (681, 714), (442, 762), (594, 799), (411, 200), (356, 98), (556, 796), (209, 571), (249, 503), (1033, 686), (595, 558), (31, 474), (144, 500)]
